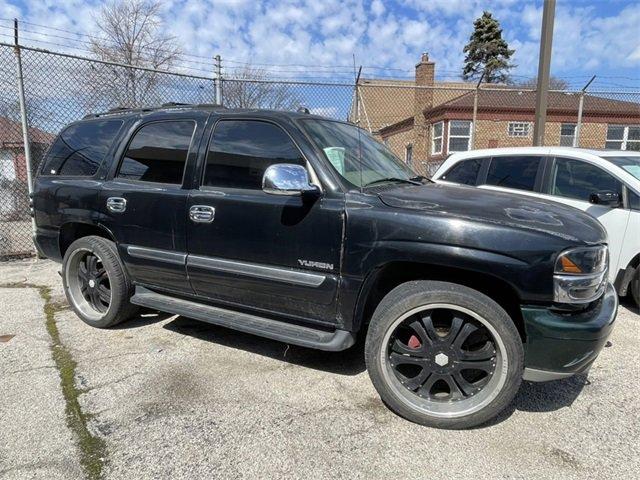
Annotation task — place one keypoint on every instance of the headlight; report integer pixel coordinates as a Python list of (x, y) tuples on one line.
[(580, 274)]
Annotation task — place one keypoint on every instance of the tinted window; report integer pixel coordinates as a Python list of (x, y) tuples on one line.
[(634, 200), (158, 152), (513, 172), (241, 150), (465, 172), (578, 179), (80, 149)]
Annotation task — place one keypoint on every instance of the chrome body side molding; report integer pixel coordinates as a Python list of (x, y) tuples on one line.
[(278, 274), (156, 254)]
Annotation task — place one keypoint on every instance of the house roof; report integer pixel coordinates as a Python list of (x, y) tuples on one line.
[(381, 102), (518, 100), (385, 102), (514, 100), (11, 134)]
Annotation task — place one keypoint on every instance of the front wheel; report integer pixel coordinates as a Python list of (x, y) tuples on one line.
[(443, 355), (635, 287), (95, 282)]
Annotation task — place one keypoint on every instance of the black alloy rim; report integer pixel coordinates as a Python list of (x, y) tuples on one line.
[(94, 282), (442, 355)]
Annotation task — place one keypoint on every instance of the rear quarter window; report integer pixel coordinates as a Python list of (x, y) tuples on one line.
[(80, 149), (518, 171)]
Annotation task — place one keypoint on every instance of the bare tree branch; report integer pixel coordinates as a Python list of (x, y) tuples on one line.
[(131, 33), (241, 92)]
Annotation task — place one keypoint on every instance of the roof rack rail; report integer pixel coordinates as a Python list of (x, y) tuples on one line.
[(150, 109), (175, 104)]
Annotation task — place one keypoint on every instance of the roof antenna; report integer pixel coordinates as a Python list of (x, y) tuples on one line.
[(357, 95)]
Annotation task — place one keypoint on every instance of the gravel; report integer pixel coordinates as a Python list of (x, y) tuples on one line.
[(172, 397)]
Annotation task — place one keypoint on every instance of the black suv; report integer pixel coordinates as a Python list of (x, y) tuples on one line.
[(309, 231)]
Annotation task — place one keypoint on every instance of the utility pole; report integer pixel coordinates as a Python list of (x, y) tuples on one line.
[(475, 112), (576, 136), (218, 70), (544, 67), (23, 116)]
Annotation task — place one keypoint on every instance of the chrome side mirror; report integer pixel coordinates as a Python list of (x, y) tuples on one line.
[(287, 179)]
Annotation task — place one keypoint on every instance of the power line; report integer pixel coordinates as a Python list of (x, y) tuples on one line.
[(271, 68), (109, 43)]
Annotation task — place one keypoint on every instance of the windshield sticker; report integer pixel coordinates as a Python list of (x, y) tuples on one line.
[(336, 157)]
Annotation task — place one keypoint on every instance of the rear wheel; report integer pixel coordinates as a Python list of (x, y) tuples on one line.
[(443, 355), (95, 282)]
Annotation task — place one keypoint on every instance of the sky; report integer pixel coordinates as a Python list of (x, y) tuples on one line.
[(591, 37)]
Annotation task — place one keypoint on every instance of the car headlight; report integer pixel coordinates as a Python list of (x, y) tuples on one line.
[(580, 274)]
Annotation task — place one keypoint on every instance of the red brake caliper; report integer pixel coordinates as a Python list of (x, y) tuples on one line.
[(413, 342)]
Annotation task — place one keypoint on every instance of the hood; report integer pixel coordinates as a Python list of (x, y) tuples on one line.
[(502, 209)]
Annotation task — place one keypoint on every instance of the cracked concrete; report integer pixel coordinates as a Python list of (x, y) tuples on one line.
[(34, 439), (174, 398)]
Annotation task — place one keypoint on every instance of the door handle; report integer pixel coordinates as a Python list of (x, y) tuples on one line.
[(202, 213), (116, 204)]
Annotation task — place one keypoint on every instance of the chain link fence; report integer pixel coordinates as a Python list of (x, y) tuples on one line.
[(422, 125), (60, 89)]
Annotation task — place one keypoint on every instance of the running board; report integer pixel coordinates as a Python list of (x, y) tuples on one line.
[(244, 322)]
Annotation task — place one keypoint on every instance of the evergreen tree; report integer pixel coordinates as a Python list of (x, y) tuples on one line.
[(487, 52)]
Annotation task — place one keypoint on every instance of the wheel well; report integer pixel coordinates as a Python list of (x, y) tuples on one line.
[(70, 232), (625, 277), (394, 274)]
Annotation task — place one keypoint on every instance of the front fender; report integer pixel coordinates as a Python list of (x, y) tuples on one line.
[(530, 282)]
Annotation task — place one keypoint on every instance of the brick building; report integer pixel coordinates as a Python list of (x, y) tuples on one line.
[(440, 114), (13, 167), (12, 161)]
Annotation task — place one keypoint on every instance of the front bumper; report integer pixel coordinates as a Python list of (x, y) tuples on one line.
[(560, 345)]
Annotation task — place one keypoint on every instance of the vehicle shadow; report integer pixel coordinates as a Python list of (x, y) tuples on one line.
[(543, 397), (144, 318), (532, 397), (347, 362), (629, 304)]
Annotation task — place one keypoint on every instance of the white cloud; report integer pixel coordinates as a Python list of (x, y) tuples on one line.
[(380, 33)]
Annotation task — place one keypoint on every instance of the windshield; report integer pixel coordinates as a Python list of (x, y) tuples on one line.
[(630, 164), (355, 155)]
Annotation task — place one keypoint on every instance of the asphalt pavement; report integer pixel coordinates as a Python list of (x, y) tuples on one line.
[(168, 397)]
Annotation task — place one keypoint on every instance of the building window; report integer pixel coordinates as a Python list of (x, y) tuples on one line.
[(519, 129), (436, 138), (623, 137), (567, 134), (408, 154), (459, 135)]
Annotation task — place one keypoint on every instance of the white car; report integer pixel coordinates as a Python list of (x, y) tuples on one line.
[(603, 183)]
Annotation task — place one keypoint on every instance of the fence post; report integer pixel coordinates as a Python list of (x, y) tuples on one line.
[(23, 118), (218, 65), (576, 137)]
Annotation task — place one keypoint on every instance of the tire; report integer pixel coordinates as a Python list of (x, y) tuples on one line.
[(448, 390), (101, 297), (635, 287)]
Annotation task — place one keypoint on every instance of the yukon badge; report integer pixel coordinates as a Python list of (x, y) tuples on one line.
[(311, 264)]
